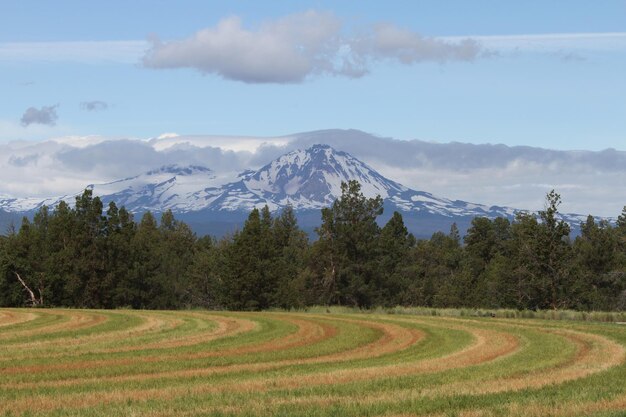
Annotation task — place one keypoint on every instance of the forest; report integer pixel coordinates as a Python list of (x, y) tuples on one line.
[(89, 256)]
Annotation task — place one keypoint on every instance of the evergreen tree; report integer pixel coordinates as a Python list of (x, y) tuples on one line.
[(142, 281), (446, 282), (483, 273), (119, 232), (541, 258), (291, 250), (345, 260), (86, 281), (480, 241), (525, 262), (175, 249), (62, 228), (394, 245), (249, 282), (599, 280), (555, 254), (207, 273)]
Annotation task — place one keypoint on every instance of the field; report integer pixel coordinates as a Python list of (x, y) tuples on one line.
[(197, 363)]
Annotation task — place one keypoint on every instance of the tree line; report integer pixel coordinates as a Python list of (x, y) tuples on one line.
[(84, 256)]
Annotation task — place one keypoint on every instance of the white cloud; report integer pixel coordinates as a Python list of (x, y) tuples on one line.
[(290, 49), (285, 50)]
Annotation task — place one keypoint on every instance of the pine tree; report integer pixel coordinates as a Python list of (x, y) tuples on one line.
[(206, 275), (119, 232), (394, 244), (525, 262), (291, 245), (484, 278), (175, 249), (142, 281), (555, 253), (542, 258), (249, 282), (598, 279), (480, 241), (346, 249)]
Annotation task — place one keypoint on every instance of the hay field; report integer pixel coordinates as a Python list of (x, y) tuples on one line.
[(196, 363)]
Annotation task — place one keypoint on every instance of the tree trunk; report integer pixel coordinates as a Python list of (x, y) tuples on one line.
[(33, 299)]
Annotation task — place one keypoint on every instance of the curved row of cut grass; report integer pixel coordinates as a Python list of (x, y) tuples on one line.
[(197, 363)]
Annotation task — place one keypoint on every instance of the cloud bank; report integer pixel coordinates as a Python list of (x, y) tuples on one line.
[(47, 115), (292, 48), (520, 177)]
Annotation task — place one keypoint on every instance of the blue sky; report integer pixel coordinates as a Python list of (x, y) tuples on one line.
[(525, 84)]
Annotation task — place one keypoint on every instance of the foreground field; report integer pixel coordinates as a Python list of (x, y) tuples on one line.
[(136, 363)]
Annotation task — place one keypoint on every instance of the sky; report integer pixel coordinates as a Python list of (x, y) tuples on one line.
[(544, 74)]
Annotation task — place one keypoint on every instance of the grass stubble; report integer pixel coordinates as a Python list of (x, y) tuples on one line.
[(194, 363)]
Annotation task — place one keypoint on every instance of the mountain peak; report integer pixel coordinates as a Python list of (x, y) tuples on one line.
[(311, 178)]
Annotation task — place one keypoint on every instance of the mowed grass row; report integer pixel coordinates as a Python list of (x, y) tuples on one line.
[(196, 363)]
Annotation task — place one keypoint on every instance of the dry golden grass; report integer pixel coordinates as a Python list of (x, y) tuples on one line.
[(76, 319), (9, 317)]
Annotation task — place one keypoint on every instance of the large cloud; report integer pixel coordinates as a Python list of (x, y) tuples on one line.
[(289, 49), (589, 182), (47, 115)]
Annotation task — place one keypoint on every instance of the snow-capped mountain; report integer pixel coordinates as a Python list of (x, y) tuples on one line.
[(307, 180), (311, 179)]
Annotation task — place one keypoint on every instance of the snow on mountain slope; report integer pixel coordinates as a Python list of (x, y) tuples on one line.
[(18, 205), (169, 187)]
